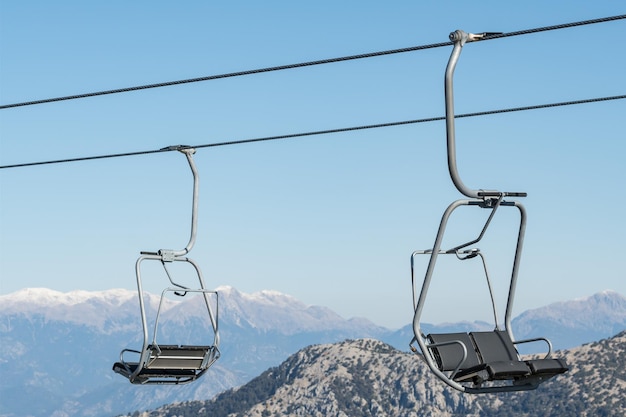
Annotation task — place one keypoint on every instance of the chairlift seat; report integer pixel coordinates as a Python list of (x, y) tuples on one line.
[(489, 356), (165, 363), (498, 344), (177, 357), (495, 363)]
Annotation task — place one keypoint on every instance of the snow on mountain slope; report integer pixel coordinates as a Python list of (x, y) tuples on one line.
[(272, 310), (263, 311), (59, 347), (89, 308)]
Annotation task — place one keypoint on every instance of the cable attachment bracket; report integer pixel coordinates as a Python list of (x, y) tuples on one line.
[(167, 255), (186, 149), (463, 37)]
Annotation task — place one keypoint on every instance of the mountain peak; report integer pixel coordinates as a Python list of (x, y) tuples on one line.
[(604, 303), (607, 295), (355, 377), (270, 310), (262, 296), (590, 318), (366, 377)]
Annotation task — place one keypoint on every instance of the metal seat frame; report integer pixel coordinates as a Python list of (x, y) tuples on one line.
[(173, 364), (466, 352)]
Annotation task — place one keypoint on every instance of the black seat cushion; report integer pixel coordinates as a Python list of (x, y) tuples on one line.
[(498, 353), (495, 346), (547, 366), (449, 355), (507, 369)]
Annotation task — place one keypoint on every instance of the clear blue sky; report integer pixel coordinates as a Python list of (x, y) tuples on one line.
[(332, 219)]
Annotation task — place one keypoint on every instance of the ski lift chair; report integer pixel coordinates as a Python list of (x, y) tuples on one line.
[(485, 361), (173, 364), (477, 362)]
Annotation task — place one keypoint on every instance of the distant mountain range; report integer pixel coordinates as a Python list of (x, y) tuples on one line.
[(58, 348), (567, 324)]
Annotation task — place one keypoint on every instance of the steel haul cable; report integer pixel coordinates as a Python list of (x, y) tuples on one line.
[(306, 64), (320, 132)]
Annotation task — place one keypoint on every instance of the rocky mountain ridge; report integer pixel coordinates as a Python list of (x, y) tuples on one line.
[(369, 378)]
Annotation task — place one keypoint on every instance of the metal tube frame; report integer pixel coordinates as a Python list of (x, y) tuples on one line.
[(167, 256), (477, 197), (420, 302), (213, 316)]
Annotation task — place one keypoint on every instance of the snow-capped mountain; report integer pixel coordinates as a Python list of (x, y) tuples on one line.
[(272, 311), (58, 348), (91, 309), (265, 310)]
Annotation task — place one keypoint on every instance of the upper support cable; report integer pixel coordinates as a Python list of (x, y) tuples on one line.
[(319, 132), (309, 63)]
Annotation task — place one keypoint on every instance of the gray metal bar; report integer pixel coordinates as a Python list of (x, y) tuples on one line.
[(203, 289), (194, 207), (422, 298), (431, 265), (494, 207), (213, 316), (537, 339), (493, 299), (516, 263), (205, 292), (459, 38), (436, 250), (144, 321)]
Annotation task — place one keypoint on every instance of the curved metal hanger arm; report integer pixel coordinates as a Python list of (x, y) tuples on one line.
[(168, 255), (460, 38), (194, 208)]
